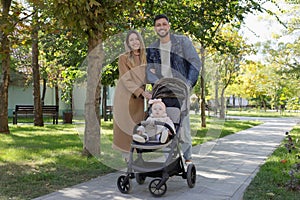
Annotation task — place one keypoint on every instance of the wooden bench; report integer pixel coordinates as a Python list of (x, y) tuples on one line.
[(28, 110)]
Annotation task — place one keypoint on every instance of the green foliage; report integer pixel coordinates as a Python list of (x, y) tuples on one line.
[(60, 49), (62, 54), (93, 17), (69, 75), (199, 19), (109, 74), (63, 46), (203, 19), (293, 104)]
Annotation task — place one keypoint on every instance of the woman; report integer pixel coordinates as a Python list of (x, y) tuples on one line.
[(130, 92)]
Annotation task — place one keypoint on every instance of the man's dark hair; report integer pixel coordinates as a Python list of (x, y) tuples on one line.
[(157, 17)]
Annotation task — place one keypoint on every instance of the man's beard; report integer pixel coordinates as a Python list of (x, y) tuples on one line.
[(163, 35)]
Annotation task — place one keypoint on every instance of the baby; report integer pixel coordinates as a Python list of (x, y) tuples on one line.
[(157, 133)]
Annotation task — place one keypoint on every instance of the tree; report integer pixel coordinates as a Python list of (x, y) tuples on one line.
[(201, 20), (229, 63), (38, 116), (13, 15), (207, 17), (6, 26), (96, 20), (109, 75), (62, 55), (10, 18)]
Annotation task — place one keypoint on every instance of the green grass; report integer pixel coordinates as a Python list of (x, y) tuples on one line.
[(217, 128), (40, 160), (30, 119), (49, 158), (262, 113), (273, 179)]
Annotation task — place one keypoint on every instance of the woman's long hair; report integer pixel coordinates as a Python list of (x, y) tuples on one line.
[(142, 49)]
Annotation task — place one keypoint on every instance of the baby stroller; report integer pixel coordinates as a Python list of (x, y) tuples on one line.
[(173, 93)]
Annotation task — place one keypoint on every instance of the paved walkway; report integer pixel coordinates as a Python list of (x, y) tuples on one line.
[(225, 167)]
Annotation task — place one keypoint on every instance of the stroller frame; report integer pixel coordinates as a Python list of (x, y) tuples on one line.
[(174, 165)]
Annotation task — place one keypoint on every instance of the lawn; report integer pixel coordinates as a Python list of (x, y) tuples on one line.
[(35, 161), (262, 113), (40, 160), (279, 177), (217, 128)]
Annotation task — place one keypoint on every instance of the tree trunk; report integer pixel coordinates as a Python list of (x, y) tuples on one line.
[(4, 81), (264, 103), (98, 101), (38, 116), (222, 108), (104, 103), (91, 145), (217, 104), (56, 95), (202, 88), (44, 91)]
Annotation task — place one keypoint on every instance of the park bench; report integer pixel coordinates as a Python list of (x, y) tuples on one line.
[(28, 111)]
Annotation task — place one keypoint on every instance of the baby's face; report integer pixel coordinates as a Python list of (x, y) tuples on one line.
[(157, 110)]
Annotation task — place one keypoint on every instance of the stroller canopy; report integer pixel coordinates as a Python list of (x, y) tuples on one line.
[(171, 88)]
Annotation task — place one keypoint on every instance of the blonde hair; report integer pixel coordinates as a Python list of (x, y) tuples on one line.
[(142, 49)]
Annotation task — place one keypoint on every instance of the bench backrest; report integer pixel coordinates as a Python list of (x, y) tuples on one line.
[(30, 109), (24, 109)]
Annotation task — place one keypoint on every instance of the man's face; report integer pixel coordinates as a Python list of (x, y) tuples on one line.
[(162, 27)]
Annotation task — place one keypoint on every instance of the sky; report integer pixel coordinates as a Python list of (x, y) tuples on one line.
[(260, 27)]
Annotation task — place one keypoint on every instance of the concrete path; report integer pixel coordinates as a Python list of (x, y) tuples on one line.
[(225, 167)]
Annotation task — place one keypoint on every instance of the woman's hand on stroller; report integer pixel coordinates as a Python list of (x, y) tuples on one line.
[(146, 95)]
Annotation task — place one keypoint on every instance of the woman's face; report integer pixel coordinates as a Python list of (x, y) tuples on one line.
[(133, 41)]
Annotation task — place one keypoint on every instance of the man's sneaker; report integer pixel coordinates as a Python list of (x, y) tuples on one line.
[(187, 162), (164, 136), (138, 138)]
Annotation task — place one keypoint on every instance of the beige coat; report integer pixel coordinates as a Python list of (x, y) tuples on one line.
[(128, 103)]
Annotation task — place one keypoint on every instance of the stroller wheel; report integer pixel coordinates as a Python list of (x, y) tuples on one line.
[(140, 179), (157, 192), (124, 184), (191, 175)]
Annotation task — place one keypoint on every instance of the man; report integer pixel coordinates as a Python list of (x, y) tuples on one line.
[(173, 56)]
